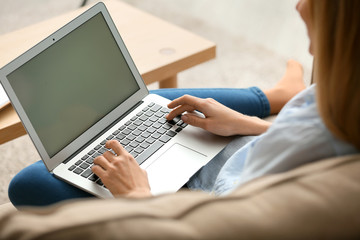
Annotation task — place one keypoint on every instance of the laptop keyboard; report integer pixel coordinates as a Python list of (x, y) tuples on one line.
[(141, 136)]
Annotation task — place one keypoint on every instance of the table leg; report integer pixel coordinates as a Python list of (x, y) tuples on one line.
[(170, 82)]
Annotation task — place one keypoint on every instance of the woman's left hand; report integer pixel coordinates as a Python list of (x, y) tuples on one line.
[(120, 173)]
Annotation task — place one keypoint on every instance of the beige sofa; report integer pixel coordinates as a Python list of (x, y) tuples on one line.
[(317, 201)]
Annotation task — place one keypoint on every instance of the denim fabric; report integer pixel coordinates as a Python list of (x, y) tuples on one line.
[(35, 186), (250, 101)]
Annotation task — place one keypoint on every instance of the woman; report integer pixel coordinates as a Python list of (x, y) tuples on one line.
[(322, 121)]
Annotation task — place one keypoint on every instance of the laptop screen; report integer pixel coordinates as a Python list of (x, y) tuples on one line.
[(74, 83)]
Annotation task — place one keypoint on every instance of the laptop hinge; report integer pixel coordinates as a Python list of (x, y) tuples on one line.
[(102, 132)]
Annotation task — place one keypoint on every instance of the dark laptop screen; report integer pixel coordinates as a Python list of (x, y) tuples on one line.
[(73, 84)]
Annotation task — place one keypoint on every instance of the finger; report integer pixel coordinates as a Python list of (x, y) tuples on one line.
[(185, 100), (109, 156), (102, 162), (178, 111), (98, 171), (195, 120), (115, 146)]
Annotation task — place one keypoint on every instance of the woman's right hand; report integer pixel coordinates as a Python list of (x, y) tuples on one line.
[(219, 119)]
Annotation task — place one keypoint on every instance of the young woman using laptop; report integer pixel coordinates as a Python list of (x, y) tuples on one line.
[(320, 122)]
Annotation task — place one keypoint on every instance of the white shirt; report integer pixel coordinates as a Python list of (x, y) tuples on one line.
[(297, 136)]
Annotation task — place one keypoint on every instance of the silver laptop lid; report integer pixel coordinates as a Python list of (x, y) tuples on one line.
[(71, 86)]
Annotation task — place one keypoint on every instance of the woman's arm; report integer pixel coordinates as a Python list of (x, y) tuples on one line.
[(218, 119)]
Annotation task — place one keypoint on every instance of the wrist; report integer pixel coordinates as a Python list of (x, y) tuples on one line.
[(249, 125)]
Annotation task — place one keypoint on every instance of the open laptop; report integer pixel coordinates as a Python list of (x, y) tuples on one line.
[(79, 87)]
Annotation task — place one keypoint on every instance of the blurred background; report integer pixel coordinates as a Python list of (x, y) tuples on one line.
[(254, 40)]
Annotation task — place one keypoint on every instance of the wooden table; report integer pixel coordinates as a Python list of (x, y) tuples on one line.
[(160, 50)]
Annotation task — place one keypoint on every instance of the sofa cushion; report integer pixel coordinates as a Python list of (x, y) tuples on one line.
[(318, 200)]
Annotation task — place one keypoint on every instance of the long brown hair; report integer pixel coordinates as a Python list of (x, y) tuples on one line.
[(337, 65)]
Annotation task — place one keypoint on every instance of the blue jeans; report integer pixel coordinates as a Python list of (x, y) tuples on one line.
[(35, 186)]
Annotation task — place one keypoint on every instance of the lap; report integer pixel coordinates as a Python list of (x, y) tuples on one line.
[(35, 186)]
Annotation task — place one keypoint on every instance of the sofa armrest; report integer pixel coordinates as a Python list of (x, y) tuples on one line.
[(319, 200)]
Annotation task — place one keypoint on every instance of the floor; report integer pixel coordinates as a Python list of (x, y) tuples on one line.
[(254, 39)]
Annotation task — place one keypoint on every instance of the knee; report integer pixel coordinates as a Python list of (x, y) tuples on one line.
[(23, 188), (19, 187)]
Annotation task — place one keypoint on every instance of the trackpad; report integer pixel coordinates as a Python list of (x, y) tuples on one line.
[(174, 168)]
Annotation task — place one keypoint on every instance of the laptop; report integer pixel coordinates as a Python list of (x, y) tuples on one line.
[(79, 87)]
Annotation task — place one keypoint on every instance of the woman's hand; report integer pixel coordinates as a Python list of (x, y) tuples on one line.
[(121, 174), (219, 119)]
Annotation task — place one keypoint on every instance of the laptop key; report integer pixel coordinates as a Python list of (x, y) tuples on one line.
[(148, 152), (136, 132), (102, 143), (156, 125), (156, 135), (129, 148), (165, 138), (145, 134), (120, 136), (171, 133), (116, 132), (167, 126), (78, 171), (84, 166), (138, 122), (178, 129), (140, 139), (155, 108), (72, 168), (78, 162), (142, 128), (99, 182), (102, 151), (93, 178), (96, 155), (91, 152), (150, 140), (125, 142), (148, 123), (131, 137), (151, 130), (143, 118), (126, 132), (161, 131), (87, 173), (159, 114), (99, 146), (144, 145), (90, 160), (153, 118), (162, 120), (139, 150), (132, 127), (149, 113), (134, 144)]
